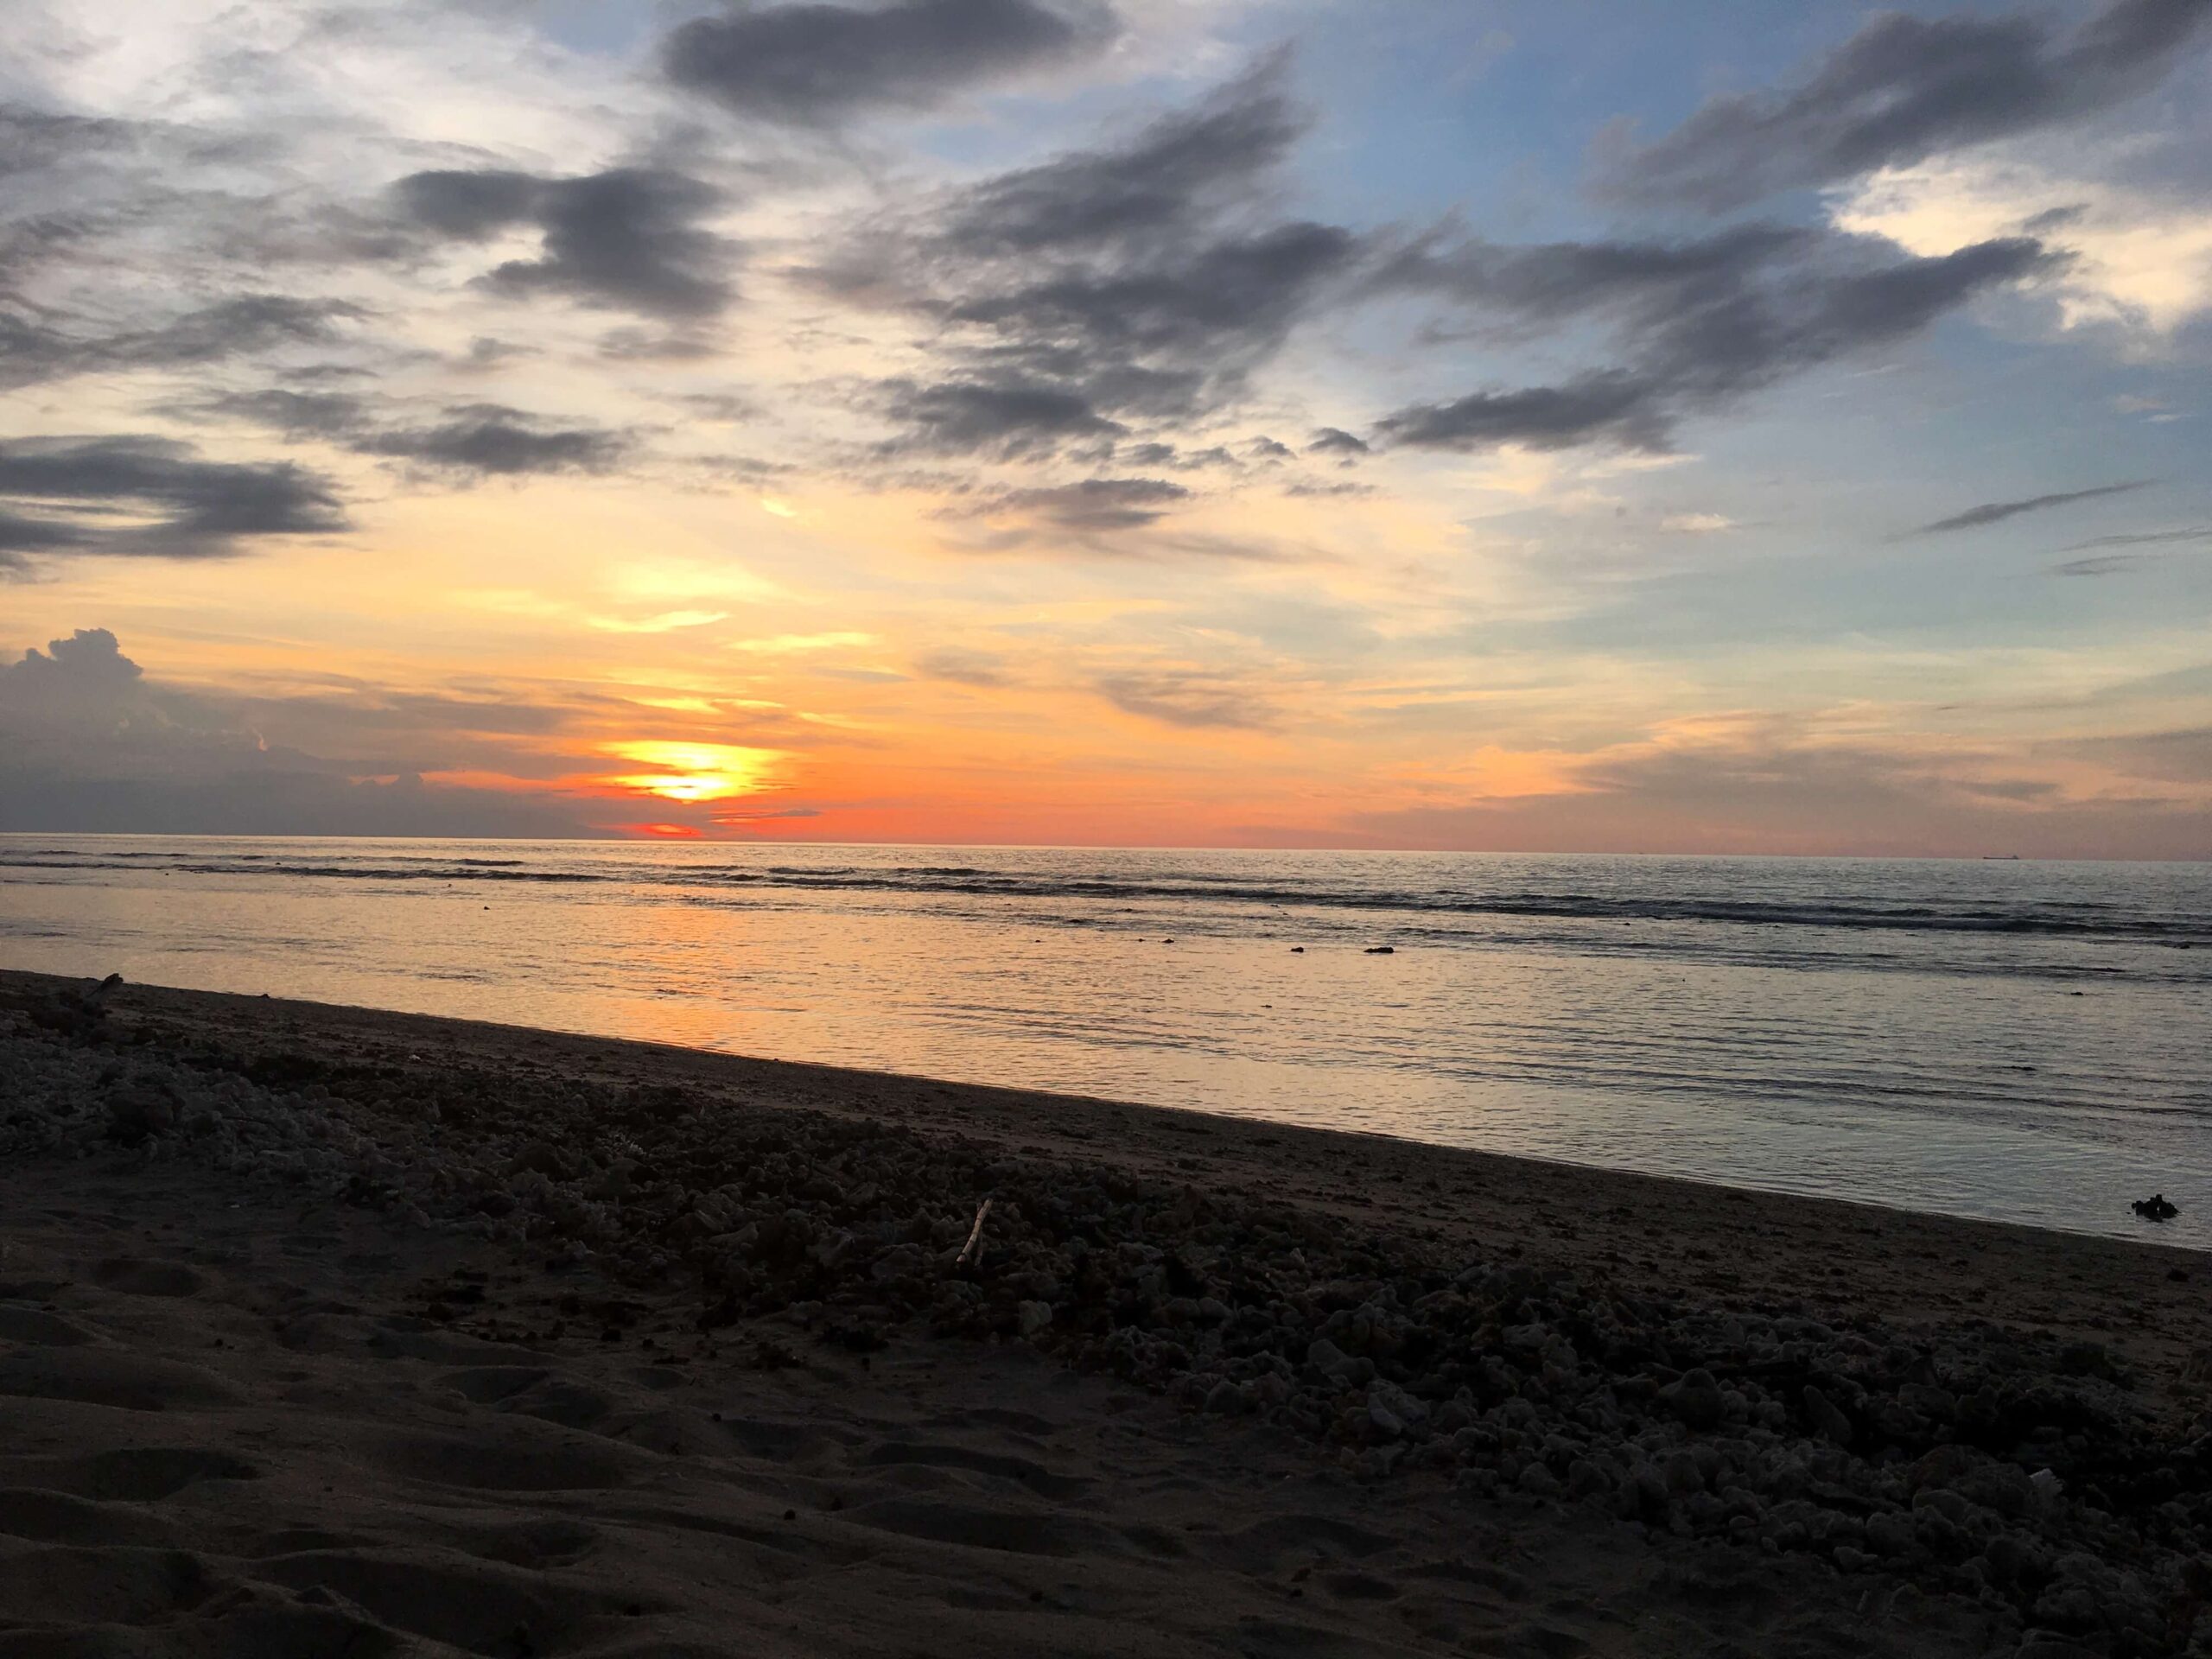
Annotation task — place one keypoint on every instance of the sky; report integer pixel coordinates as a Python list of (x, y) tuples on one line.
[(1730, 427)]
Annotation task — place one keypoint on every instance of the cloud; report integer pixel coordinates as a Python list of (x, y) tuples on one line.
[(815, 66), (785, 645), (491, 438), (486, 439), (1141, 282), (32, 140), (1005, 419), (2117, 565), (245, 326), (1163, 336), (1698, 333), (630, 239), (1900, 90), (1335, 441), (295, 414), (2105, 565), (2137, 258), (1816, 786), (89, 744), (2194, 533), (964, 666), (1098, 504), (1995, 512), (2182, 756), (1548, 283), (1195, 702), (150, 498), (1627, 410), (1170, 181)]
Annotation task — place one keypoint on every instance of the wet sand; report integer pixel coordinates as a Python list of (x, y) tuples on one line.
[(328, 1330)]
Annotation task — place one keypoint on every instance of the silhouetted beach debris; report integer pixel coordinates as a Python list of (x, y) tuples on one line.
[(972, 1251), (2028, 1472), (1381, 950), (2155, 1208)]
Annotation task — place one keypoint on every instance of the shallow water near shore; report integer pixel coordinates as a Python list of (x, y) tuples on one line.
[(2017, 1041)]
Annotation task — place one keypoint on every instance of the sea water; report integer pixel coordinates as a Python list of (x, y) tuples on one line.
[(2021, 1041)]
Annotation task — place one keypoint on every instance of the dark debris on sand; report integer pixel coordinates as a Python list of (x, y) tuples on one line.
[(2000, 1465)]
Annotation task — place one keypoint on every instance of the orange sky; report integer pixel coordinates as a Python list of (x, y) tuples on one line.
[(502, 430)]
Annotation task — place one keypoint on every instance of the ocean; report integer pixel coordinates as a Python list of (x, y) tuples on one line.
[(2019, 1040)]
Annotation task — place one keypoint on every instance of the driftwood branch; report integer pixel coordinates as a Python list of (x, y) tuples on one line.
[(973, 1248)]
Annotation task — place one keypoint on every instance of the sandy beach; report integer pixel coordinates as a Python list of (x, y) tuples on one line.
[(327, 1330)]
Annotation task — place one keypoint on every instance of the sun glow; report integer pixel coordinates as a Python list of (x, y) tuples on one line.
[(696, 772)]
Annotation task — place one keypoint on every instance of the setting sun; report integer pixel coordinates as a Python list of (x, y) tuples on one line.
[(696, 772)]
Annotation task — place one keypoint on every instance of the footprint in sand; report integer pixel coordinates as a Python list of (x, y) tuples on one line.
[(133, 1277), (42, 1330), (463, 1601), (137, 1474), (514, 1463), (98, 1376), (49, 1517)]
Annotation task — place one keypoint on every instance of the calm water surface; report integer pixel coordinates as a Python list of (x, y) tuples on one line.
[(2023, 1040)]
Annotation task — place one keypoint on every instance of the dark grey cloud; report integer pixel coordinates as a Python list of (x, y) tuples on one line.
[(815, 66), (629, 239), (1996, 513), (235, 327), (1098, 504), (1166, 184), (32, 140), (1217, 307), (1900, 89), (1631, 410), (474, 438), (1154, 453), (89, 743), (152, 497), (1769, 310), (468, 205), (295, 414), (1143, 280), (34, 350), (1335, 441), (1545, 284), (491, 438), (1004, 419), (22, 533)]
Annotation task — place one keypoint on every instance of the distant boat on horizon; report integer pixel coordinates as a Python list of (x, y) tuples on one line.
[(1998, 858)]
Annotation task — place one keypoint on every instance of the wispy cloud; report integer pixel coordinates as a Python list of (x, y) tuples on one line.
[(149, 498), (1996, 513), (1900, 89), (815, 65)]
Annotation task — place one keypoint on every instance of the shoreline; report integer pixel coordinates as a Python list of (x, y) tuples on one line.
[(1626, 1374), (1515, 1198)]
